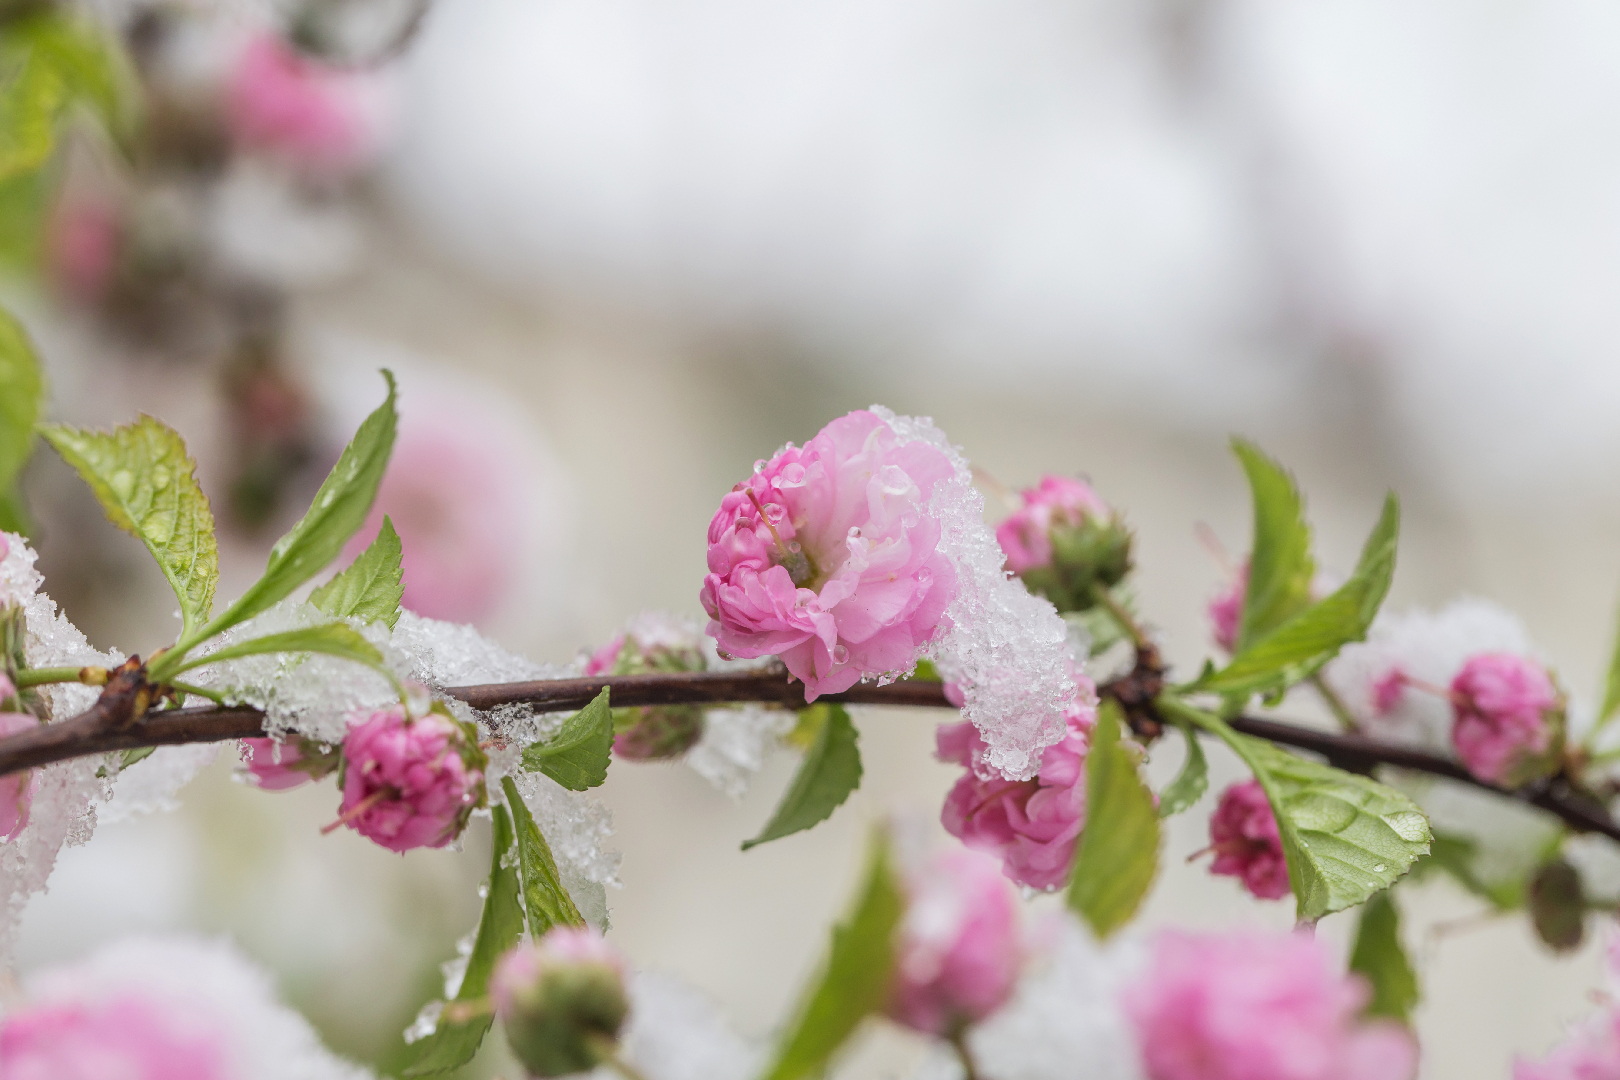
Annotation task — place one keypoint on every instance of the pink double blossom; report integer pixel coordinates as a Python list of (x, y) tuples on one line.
[(1032, 825), (1247, 845), (277, 766), (311, 114), (1257, 1006), (1026, 534), (410, 783), (829, 557), (1508, 718), (126, 1037), (958, 951)]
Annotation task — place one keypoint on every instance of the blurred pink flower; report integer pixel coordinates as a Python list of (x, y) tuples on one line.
[(409, 783), (1590, 1052), (277, 766), (522, 967), (958, 949), (17, 790), (314, 115), (451, 492), (1026, 535), (81, 245), (1243, 834), (561, 999), (1508, 717), (1226, 610), (1388, 691), (828, 557), (123, 1038), (1251, 1005), (1031, 824)]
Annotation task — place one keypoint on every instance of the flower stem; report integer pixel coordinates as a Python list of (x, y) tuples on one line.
[(970, 1067), (90, 676), (1335, 703)]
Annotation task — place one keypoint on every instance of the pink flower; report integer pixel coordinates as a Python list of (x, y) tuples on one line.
[(1031, 824), (1226, 611), (126, 1037), (1591, 1052), (82, 241), (1257, 1006), (1026, 535), (1243, 834), (560, 999), (277, 766), (410, 783), (17, 790), (1508, 718), (322, 117), (828, 557), (1388, 691), (958, 950)]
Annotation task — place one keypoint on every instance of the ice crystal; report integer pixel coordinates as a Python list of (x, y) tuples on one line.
[(1006, 647), (426, 1022), (734, 744), (444, 654), (576, 826)]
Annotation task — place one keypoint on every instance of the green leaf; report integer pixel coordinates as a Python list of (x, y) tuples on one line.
[(1556, 897), (1280, 564), (373, 585), (453, 1045), (50, 60), (332, 639), (577, 757), (1379, 956), (1301, 646), (1119, 849), (339, 509), (22, 398), (130, 757), (1611, 686), (1345, 837), (544, 897), (1191, 782), (854, 983), (147, 484), (831, 769)]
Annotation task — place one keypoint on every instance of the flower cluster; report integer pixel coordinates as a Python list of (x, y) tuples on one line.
[(828, 558), (1065, 543)]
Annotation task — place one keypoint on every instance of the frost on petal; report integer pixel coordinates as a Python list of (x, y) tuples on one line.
[(676, 1033), (1007, 648), (212, 987), (1427, 646)]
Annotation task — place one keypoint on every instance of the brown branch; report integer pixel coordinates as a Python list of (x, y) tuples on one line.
[(107, 726)]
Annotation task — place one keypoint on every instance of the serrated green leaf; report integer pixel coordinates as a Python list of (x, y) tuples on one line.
[(130, 757), (1379, 956), (147, 484), (1280, 564), (1305, 643), (339, 509), (830, 771), (854, 982), (1118, 855), (330, 639), (578, 755), (1191, 782), (1345, 837), (544, 898), (453, 1045), (372, 586)]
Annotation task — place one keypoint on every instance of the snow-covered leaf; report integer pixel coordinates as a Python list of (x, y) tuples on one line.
[(1118, 855), (854, 983), (147, 484), (830, 771), (331, 639), (544, 898), (578, 755), (371, 587), (452, 1045)]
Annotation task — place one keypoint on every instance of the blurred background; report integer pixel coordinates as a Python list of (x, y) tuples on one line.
[(617, 250)]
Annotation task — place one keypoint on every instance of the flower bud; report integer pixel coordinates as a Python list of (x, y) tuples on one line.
[(1247, 845), (1508, 719), (958, 951), (410, 783), (16, 790), (277, 766), (1065, 543), (562, 1001), (653, 643)]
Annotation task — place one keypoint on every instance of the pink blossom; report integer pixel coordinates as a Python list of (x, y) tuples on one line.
[(1031, 824), (277, 766), (1026, 534), (1507, 717), (1591, 1052), (126, 1037), (314, 115), (1251, 1005), (82, 241), (1226, 610), (828, 557), (17, 790), (958, 950), (410, 783), (1388, 691), (1243, 834)]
